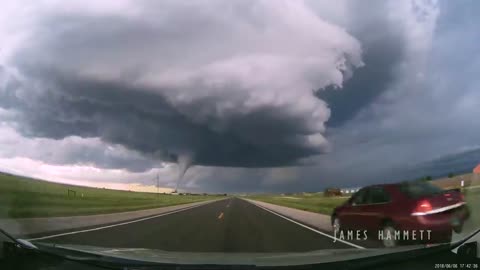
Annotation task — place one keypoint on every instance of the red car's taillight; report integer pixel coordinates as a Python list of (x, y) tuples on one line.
[(422, 207)]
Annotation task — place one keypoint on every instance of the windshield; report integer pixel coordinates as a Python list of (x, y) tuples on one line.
[(239, 128)]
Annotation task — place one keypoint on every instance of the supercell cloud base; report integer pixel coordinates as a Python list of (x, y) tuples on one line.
[(255, 95)]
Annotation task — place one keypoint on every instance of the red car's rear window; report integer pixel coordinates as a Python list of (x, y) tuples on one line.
[(419, 189)]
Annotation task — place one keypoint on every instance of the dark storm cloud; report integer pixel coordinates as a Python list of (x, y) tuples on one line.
[(82, 152), (425, 113), (229, 83), (381, 57), (457, 163), (383, 45), (185, 80), (145, 122)]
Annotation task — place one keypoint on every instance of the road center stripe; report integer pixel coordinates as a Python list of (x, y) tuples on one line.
[(307, 227)]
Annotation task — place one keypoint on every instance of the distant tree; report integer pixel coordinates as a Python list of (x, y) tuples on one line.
[(451, 175), (428, 178)]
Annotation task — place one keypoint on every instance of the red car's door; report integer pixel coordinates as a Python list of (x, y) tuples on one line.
[(375, 209), (351, 213)]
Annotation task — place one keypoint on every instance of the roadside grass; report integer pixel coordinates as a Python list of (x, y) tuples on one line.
[(313, 202), (24, 197), (472, 198)]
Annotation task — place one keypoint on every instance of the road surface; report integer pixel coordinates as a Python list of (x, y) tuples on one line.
[(231, 225)]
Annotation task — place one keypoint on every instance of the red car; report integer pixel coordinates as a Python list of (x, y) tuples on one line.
[(409, 211)]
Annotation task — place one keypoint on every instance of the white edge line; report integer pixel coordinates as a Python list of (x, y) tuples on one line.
[(307, 227), (118, 224)]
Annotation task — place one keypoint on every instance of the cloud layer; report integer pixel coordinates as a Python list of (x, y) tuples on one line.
[(359, 94), (225, 83)]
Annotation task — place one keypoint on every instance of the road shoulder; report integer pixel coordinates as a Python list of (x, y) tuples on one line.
[(32, 226), (318, 221)]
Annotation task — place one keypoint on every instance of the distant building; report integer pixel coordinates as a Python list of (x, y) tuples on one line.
[(329, 192), (350, 190), (476, 170)]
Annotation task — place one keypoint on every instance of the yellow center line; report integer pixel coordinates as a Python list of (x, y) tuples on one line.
[(220, 216)]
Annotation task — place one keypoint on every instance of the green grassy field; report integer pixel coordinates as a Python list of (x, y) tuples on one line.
[(24, 197), (313, 202), (472, 198)]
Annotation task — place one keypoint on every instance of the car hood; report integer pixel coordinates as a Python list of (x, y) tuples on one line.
[(218, 258)]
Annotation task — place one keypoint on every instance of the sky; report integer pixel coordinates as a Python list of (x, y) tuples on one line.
[(238, 96)]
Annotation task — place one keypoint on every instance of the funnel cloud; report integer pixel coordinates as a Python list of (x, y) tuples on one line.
[(184, 162)]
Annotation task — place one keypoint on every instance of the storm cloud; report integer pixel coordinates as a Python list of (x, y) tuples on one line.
[(296, 95), (384, 47), (231, 88)]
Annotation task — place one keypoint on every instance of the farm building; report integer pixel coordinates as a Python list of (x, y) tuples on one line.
[(329, 192), (349, 191)]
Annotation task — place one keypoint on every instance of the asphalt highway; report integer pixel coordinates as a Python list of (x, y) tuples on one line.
[(230, 225)]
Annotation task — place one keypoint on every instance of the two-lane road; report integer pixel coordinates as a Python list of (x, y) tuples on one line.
[(231, 225)]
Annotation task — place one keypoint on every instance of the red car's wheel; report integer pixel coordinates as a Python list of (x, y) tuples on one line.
[(458, 228), (336, 225), (389, 229)]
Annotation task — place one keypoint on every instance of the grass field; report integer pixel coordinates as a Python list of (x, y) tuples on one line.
[(24, 197), (313, 202)]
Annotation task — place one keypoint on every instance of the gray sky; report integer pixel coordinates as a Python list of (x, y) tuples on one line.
[(251, 95)]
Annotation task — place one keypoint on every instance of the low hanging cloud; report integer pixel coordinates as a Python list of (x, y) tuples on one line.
[(90, 152), (225, 83)]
